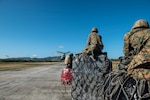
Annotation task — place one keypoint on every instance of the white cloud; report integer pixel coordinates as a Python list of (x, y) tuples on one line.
[(34, 55), (60, 47)]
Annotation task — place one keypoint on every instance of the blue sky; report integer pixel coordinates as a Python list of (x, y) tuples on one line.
[(39, 28)]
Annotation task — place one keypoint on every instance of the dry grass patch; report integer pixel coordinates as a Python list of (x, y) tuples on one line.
[(17, 65), (114, 63)]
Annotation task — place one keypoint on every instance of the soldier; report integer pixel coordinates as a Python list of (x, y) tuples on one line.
[(94, 43), (69, 60), (137, 46)]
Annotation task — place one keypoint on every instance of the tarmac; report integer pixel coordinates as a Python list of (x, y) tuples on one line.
[(34, 83)]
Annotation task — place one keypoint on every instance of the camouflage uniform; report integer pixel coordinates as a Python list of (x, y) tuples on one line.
[(68, 61), (137, 45), (94, 43)]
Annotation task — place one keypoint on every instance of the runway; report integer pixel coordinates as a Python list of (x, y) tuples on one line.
[(34, 83)]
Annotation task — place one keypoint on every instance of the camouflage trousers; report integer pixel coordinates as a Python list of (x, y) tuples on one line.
[(91, 49), (139, 67)]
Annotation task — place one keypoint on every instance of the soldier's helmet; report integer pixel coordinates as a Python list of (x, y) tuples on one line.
[(94, 29), (140, 24)]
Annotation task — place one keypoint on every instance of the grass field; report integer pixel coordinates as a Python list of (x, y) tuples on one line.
[(114, 63), (17, 65)]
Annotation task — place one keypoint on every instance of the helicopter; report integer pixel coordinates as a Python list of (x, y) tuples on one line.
[(63, 54)]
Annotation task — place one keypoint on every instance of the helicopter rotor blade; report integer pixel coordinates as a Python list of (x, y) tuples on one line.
[(60, 52)]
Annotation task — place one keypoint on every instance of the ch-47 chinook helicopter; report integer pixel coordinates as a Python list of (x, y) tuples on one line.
[(63, 54)]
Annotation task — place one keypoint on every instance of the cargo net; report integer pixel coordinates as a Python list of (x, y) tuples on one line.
[(88, 77), (93, 80)]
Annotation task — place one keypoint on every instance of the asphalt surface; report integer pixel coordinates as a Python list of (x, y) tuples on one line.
[(34, 83)]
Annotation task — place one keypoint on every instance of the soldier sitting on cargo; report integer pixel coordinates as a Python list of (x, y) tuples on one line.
[(137, 47), (94, 43)]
